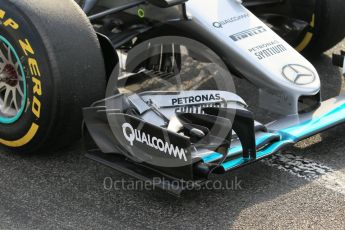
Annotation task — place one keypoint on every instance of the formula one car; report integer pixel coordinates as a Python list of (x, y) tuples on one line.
[(60, 66)]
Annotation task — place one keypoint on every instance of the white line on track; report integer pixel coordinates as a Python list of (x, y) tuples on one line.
[(309, 170)]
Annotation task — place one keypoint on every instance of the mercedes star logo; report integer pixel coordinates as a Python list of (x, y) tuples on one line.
[(298, 74)]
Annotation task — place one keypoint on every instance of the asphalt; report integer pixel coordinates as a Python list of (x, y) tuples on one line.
[(65, 190)]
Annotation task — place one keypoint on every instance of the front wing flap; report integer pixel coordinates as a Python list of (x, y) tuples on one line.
[(119, 133)]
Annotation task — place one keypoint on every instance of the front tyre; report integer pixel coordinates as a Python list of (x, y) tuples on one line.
[(326, 25), (51, 66)]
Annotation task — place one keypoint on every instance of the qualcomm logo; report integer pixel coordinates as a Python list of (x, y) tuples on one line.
[(132, 135), (298, 74)]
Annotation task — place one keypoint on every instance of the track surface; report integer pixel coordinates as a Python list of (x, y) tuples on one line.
[(66, 191)]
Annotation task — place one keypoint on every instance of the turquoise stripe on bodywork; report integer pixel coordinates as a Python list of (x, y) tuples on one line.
[(260, 154), (294, 134), (315, 125), (214, 156), (288, 135)]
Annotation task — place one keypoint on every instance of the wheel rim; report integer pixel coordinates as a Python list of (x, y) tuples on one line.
[(12, 84)]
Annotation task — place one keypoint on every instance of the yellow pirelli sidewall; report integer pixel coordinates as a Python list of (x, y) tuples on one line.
[(29, 60)]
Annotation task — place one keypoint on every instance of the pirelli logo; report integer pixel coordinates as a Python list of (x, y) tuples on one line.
[(247, 33)]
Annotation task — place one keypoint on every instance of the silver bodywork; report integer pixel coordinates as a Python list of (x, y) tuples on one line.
[(245, 40), (251, 47)]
